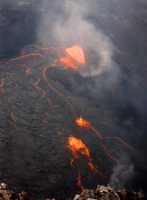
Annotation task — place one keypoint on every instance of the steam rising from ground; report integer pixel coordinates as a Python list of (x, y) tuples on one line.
[(120, 177), (66, 22), (76, 30), (72, 28)]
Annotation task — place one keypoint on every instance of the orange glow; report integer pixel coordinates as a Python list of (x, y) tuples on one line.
[(79, 181), (44, 92), (37, 87), (57, 91), (14, 130), (82, 122), (72, 57), (76, 145), (76, 53), (3, 80), (5, 107), (28, 72), (68, 63), (22, 57), (6, 95), (49, 102), (37, 82), (35, 45), (47, 110), (13, 117), (94, 170)]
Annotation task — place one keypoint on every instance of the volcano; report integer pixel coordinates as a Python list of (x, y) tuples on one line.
[(62, 131), (41, 118)]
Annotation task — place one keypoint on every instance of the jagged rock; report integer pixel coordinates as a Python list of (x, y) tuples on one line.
[(87, 194), (104, 193), (101, 193), (76, 197), (125, 194), (108, 193), (6, 194)]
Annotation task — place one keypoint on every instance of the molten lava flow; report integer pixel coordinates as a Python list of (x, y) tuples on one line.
[(57, 91), (14, 126), (82, 122), (87, 125), (8, 111), (22, 57), (33, 45), (46, 113), (3, 80), (76, 145), (79, 181), (68, 63), (72, 57), (76, 53), (5, 73), (5, 95), (37, 87), (28, 72)]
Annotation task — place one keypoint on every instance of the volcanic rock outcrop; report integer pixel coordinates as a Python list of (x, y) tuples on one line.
[(101, 193), (108, 193), (6, 194)]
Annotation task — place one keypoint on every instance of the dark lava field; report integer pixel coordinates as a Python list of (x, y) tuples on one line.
[(42, 97)]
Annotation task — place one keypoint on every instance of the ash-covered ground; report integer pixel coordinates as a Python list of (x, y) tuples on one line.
[(110, 93)]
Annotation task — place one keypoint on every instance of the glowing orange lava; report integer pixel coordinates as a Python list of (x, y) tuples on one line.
[(79, 181), (82, 122), (68, 63), (47, 110), (76, 53), (70, 56), (76, 145), (37, 87), (87, 125), (28, 72)]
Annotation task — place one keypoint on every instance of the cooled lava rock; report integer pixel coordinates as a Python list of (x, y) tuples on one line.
[(6, 194), (108, 193), (101, 193)]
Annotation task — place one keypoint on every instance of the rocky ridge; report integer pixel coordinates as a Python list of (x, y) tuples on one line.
[(101, 193)]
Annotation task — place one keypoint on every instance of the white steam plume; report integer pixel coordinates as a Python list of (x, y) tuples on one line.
[(70, 27), (77, 31), (120, 177)]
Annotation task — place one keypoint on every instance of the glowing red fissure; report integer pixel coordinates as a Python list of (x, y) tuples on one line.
[(76, 145), (73, 53), (87, 125)]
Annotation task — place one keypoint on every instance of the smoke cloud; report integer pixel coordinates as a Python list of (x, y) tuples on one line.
[(71, 28), (113, 78), (119, 177)]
